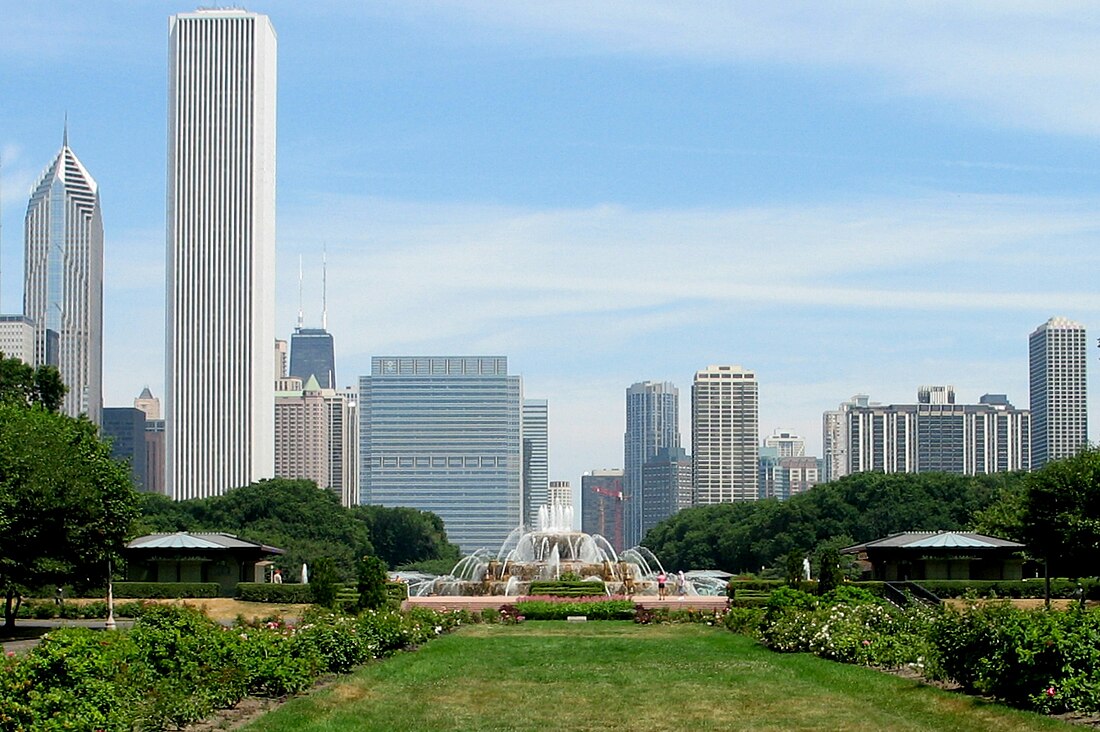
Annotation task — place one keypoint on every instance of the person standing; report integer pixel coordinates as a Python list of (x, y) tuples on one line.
[(662, 578), (681, 583)]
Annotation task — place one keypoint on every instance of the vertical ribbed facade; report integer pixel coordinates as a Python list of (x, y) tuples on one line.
[(221, 252), (652, 424), (1059, 408), (725, 435), (63, 280)]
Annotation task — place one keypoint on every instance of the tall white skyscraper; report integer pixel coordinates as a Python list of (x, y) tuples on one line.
[(63, 280), (220, 372), (725, 435), (1059, 409)]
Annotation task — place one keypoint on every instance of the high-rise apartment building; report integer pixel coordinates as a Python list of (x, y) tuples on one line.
[(602, 507), (314, 436), (560, 493), (786, 443), (221, 252), (783, 476), (63, 280), (652, 424), (536, 448), (1059, 414), (939, 436), (725, 435), (443, 434), (834, 437)]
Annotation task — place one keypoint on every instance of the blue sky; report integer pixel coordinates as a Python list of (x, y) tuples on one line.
[(845, 198)]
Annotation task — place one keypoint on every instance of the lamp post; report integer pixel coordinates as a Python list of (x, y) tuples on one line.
[(110, 624)]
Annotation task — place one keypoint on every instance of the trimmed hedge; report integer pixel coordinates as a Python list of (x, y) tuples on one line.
[(165, 590), (272, 592), (559, 610), (567, 588), (750, 588), (1030, 588)]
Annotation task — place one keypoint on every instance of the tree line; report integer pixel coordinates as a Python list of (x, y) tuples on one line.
[(309, 523), (745, 537)]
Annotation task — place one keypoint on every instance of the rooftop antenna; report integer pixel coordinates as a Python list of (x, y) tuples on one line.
[(299, 292), (324, 287), (65, 134)]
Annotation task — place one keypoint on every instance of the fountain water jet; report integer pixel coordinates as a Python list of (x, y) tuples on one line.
[(553, 549)]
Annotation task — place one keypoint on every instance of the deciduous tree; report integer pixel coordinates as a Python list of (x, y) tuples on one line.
[(66, 507)]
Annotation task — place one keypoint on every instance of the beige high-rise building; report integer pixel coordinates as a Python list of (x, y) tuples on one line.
[(559, 493), (17, 338), (315, 436), (148, 403), (725, 435)]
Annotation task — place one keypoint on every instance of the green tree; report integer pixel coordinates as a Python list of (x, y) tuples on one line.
[(404, 536), (372, 583), (1061, 514), (295, 515), (747, 536), (324, 582), (830, 575), (66, 507), (25, 386)]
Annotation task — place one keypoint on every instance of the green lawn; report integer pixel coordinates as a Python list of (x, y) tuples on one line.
[(608, 676)]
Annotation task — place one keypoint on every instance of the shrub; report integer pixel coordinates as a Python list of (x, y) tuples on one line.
[(1037, 659), (324, 582), (568, 588), (274, 593), (594, 609), (744, 620), (165, 590), (372, 577)]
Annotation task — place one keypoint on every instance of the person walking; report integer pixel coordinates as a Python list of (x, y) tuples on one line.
[(681, 583)]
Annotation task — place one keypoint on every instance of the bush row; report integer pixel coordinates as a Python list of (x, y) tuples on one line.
[(165, 590), (593, 609), (176, 666), (568, 588), (1044, 660), (46, 610), (1029, 588), (274, 593)]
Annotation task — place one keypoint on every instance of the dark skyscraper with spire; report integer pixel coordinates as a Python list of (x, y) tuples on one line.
[(311, 349)]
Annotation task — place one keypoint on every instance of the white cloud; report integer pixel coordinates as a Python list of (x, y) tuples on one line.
[(1028, 65)]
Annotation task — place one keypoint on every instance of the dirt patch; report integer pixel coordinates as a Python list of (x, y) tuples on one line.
[(226, 609)]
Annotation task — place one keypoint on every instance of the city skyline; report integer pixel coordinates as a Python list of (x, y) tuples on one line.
[(850, 207)]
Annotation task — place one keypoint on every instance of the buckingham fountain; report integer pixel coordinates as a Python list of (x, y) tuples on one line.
[(552, 550)]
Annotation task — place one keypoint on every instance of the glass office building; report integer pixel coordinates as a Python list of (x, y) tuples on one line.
[(312, 354), (443, 434)]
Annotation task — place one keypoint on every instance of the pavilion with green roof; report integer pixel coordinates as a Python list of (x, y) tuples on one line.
[(940, 555)]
